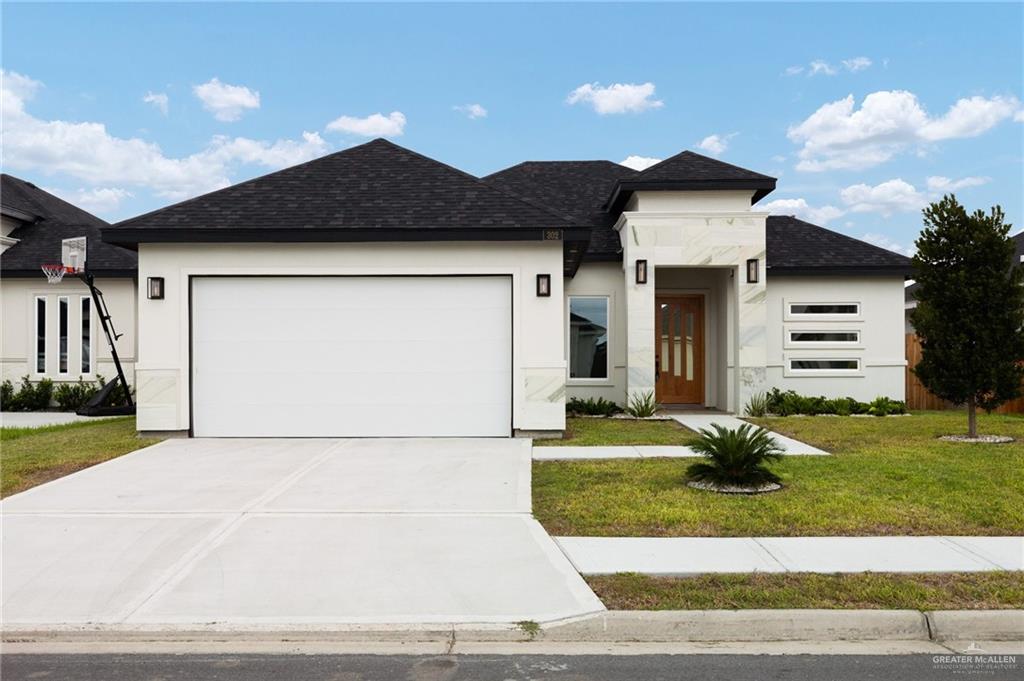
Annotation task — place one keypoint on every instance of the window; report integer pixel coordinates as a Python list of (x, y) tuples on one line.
[(41, 335), (588, 337), (62, 334), (824, 336), (86, 336), (824, 308), (824, 364)]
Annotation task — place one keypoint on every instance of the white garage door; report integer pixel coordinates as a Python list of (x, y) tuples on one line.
[(351, 356)]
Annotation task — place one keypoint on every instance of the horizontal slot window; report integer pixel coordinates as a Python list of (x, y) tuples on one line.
[(824, 336), (825, 308), (824, 364)]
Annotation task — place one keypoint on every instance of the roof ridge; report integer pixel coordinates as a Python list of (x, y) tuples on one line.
[(479, 181), (688, 152), (240, 184)]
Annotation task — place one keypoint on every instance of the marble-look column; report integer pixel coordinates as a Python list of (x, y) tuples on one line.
[(639, 327), (752, 350)]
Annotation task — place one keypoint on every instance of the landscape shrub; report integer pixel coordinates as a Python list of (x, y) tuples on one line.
[(592, 407), (734, 456), (790, 403), (71, 396), (29, 397), (642, 405)]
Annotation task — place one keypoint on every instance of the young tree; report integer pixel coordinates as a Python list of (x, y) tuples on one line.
[(970, 310)]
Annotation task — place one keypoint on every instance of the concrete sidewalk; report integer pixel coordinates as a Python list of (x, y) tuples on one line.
[(697, 421), (38, 419), (701, 555)]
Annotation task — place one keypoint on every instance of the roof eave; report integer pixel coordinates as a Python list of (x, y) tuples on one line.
[(130, 237), (624, 188), (833, 270)]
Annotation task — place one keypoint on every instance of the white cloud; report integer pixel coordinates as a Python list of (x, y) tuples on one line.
[(157, 99), (856, 64), (472, 111), (779, 158), (838, 136), (715, 144), (639, 162), (616, 98), (819, 215), (820, 66), (226, 102), (374, 125), (96, 200), (793, 70), (888, 243), (893, 196), (87, 152), (945, 184), (1019, 116)]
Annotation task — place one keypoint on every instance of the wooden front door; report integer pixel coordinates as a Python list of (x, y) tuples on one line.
[(679, 349)]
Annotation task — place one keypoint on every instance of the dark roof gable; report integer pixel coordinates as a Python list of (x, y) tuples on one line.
[(54, 219), (376, 191)]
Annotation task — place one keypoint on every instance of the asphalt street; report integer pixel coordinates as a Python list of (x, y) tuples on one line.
[(100, 667)]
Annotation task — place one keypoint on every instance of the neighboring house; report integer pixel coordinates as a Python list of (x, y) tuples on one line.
[(910, 301), (378, 292), (52, 331)]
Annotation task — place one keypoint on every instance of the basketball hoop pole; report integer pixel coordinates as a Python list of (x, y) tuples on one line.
[(108, 328)]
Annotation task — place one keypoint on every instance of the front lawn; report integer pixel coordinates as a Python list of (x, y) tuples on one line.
[(949, 591), (594, 432), (887, 476), (32, 456)]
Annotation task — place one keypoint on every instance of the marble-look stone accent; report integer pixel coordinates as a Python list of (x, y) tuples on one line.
[(687, 240), (157, 398), (544, 403)]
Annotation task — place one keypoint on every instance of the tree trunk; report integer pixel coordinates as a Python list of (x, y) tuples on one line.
[(972, 418)]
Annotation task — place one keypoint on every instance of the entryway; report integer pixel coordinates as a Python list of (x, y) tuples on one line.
[(679, 349)]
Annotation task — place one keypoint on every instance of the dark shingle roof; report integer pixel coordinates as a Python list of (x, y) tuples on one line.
[(576, 188), (797, 247), (374, 191), (690, 171), (54, 219)]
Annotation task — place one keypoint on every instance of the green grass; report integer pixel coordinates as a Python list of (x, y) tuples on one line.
[(593, 432), (949, 591), (32, 456), (886, 476)]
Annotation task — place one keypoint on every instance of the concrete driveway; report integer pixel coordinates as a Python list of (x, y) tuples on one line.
[(226, 533)]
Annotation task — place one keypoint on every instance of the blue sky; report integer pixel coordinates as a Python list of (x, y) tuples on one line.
[(863, 112)]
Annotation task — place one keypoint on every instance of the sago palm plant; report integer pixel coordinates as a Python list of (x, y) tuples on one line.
[(735, 457)]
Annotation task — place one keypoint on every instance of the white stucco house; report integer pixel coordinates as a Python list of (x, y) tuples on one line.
[(53, 331), (378, 292)]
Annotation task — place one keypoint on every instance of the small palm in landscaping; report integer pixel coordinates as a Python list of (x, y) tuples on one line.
[(735, 458)]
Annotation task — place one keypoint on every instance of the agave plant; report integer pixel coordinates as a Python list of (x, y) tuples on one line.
[(642, 405), (735, 457)]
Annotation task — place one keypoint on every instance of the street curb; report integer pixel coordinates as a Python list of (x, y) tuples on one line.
[(967, 625), (617, 626)]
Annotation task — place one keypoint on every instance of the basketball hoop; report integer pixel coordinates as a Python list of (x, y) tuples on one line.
[(55, 272), (72, 255)]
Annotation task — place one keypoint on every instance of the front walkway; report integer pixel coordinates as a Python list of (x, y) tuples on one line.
[(697, 421), (699, 555), (312, 532)]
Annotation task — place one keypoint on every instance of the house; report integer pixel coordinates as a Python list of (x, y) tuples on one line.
[(910, 299), (53, 331), (378, 292)]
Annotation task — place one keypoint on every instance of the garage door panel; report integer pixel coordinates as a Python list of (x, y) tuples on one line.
[(351, 356)]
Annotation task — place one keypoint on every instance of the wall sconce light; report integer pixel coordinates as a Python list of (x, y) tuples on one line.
[(543, 285), (641, 271), (155, 288), (752, 271)]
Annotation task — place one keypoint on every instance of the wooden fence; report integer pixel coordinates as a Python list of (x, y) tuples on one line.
[(918, 396)]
